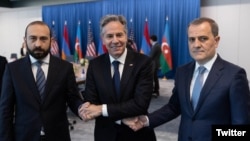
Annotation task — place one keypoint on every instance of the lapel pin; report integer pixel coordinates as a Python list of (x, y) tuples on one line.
[(131, 65)]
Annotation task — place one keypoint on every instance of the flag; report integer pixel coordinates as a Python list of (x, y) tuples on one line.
[(91, 50), (78, 44), (166, 56), (145, 45), (65, 42), (101, 48), (54, 49), (131, 36)]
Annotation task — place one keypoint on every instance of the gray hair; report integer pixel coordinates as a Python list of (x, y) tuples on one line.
[(113, 18)]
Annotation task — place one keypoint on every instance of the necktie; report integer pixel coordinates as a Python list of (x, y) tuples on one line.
[(197, 86), (40, 79), (116, 77)]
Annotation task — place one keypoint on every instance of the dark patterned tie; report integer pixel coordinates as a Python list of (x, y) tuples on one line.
[(40, 79), (197, 86), (116, 77)]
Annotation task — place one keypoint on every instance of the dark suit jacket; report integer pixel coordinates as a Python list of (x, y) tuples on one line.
[(136, 88), (20, 97), (3, 62), (224, 99), (155, 54)]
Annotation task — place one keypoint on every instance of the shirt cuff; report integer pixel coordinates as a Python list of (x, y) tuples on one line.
[(104, 110), (146, 124)]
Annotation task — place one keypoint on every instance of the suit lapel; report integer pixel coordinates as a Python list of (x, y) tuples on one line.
[(107, 76), (189, 73), (29, 77), (53, 68), (127, 70)]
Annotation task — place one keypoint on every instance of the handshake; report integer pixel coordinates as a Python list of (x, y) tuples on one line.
[(90, 111), (136, 123)]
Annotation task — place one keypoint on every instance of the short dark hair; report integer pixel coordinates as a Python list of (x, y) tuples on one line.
[(214, 26), (37, 23), (153, 38)]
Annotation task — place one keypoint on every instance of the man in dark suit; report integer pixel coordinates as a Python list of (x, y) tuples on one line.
[(224, 98), (107, 105), (27, 114), (155, 54), (3, 62)]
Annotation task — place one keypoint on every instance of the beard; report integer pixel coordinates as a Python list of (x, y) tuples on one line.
[(38, 52)]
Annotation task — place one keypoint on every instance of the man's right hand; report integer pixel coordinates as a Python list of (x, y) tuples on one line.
[(136, 123)]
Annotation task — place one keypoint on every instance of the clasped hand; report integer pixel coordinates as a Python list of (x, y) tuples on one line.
[(89, 111)]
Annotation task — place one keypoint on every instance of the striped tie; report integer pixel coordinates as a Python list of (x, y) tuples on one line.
[(40, 79)]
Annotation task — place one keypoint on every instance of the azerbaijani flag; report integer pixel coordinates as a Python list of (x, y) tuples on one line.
[(166, 56), (78, 50)]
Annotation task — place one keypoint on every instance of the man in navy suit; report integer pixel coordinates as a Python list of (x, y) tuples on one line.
[(224, 98), (27, 114), (108, 106)]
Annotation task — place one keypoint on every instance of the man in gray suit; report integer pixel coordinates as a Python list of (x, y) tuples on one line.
[(27, 114), (224, 98)]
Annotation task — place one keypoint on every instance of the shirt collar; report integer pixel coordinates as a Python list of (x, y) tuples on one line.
[(153, 43), (207, 65), (121, 59), (45, 59)]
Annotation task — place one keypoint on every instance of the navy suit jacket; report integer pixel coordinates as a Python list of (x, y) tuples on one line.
[(224, 99), (136, 87), (22, 113)]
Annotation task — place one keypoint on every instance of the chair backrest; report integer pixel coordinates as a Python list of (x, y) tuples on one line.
[(13, 56)]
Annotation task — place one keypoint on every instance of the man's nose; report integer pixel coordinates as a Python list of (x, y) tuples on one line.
[(38, 43)]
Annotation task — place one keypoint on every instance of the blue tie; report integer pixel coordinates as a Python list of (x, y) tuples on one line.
[(116, 77), (40, 79), (197, 87)]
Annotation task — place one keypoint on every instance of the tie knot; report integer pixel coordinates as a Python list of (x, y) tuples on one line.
[(39, 63), (116, 64), (201, 69)]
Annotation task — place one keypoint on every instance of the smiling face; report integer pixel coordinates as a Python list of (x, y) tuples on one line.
[(114, 38), (202, 42)]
